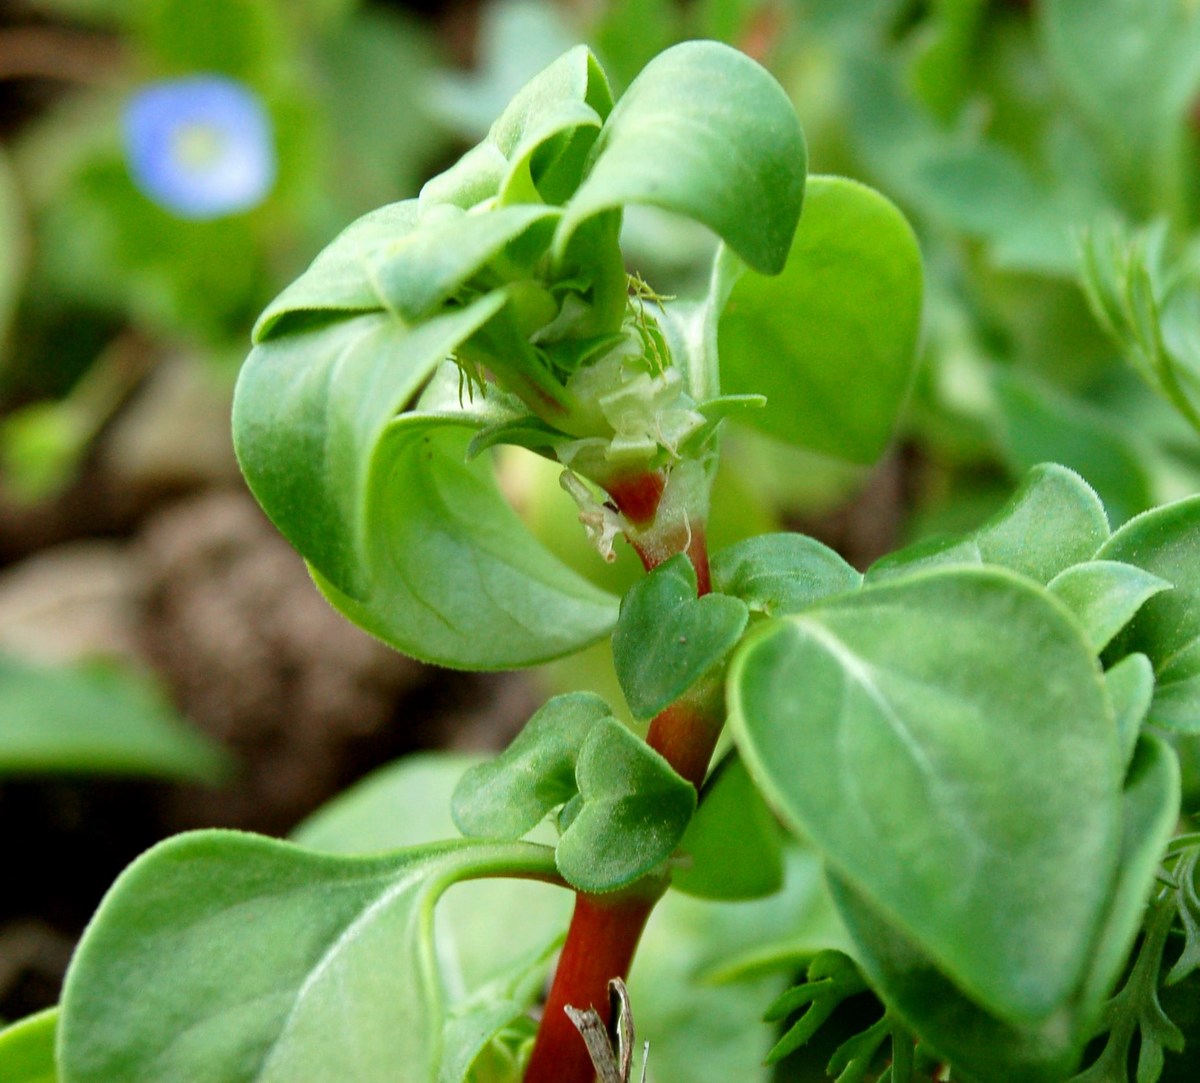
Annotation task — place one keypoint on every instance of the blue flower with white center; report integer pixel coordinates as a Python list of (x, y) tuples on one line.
[(200, 147)]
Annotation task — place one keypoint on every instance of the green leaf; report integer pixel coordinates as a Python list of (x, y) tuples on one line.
[(831, 978), (984, 1048), (781, 573), (922, 555), (309, 414), (96, 719), (801, 339), (1166, 543), (1053, 520), (241, 38), (27, 1049), (338, 281), (508, 796), (1104, 595), (1149, 815), (408, 804), (457, 577), (667, 638), (1130, 686), (634, 811), (219, 955), (878, 725), (706, 133), (733, 848)]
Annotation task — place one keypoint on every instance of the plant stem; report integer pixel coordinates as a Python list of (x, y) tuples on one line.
[(605, 929)]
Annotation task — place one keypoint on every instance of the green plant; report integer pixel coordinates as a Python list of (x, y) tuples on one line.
[(968, 737)]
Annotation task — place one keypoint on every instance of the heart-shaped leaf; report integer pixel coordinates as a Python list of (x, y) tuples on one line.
[(733, 848), (506, 797), (781, 573), (805, 336), (633, 811), (706, 133), (1104, 595), (878, 726), (220, 955), (667, 639), (1166, 543), (27, 1049)]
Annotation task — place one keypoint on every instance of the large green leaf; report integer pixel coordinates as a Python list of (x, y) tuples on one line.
[(27, 1049), (817, 329), (457, 577), (95, 720), (309, 413), (886, 726), (1166, 542), (983, 1047), (230, 957), (706, 133)]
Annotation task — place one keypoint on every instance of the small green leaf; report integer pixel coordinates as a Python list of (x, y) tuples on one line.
[(802, 338), (220, 955), (1166, 543), (832, 978), (733, 848), (1130, 685), (781, 573), (1149, 816), (667, 639), (878, 724), (96, 719), (27, 1049), (1104, 595), (706, 133), (508, 796), (925, 554), (1053, 520), (634, 811)]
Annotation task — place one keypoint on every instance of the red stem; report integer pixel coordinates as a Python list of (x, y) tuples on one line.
[(605, 929)]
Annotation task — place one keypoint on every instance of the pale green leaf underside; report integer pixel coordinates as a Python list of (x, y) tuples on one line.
[(95, 720), (705, 133), (781, 573), (927, 775), (27, 1049), (222, 956), (457, 578), (805, 336)]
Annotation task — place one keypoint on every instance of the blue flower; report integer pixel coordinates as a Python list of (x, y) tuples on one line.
[(201, 147)]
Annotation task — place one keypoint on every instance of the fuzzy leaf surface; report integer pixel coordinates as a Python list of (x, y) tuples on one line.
[(667, 638), (886, 727), (706, 133), (633, 811), (1104, 595), (508, 796), (219, 955), (805, 336), (1166, 543), (781, 573)]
